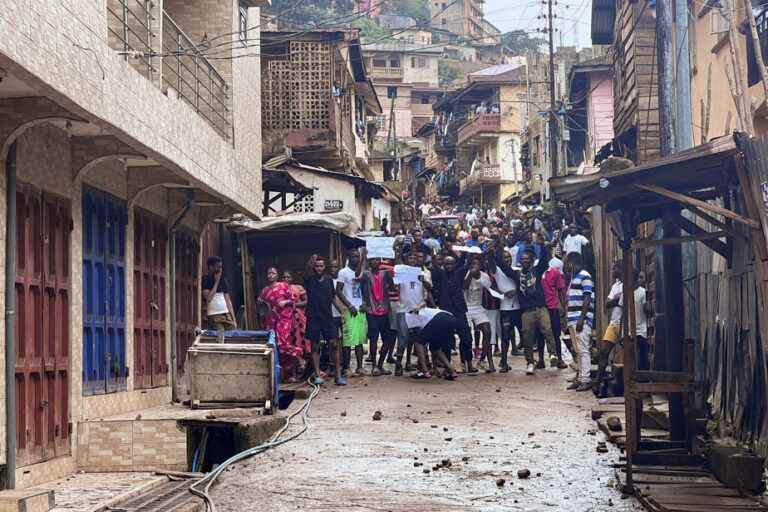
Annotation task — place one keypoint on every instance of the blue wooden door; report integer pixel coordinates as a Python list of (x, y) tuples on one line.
[(104, 221)]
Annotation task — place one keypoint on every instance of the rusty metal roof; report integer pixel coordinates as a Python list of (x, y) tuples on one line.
[(703, 167)]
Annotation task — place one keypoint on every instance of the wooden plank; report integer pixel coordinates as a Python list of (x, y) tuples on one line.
[(638, 388), (643, 459), (718, 224), (655, 376), (701, 204), (642, 244), (714, 244)]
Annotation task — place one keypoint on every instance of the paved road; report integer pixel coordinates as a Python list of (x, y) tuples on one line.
[(499, 423)]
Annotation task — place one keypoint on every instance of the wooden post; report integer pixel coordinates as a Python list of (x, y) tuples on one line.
[(630, 407), (249, 296), (757, 46)]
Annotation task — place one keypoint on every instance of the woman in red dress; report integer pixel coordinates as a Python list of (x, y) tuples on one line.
[(300, 315), (281, 319)]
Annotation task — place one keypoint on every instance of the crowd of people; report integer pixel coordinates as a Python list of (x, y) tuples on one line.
[(480, 288)]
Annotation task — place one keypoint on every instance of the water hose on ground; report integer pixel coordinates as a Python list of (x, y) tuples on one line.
[(211, 477)]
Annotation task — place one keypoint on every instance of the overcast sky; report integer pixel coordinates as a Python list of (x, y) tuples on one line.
[(573, 18)]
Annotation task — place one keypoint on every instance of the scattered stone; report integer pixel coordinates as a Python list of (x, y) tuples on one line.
[(610, 502), (429, 412), (614, 424), (465, 459), (414, 420), (449, 439), (417, 464), (426, 471), (343, 414), (601, 447), (536, 446), (538, 474), (523, 473), (445, 429), (446, 463), (498, 390), (377, 416), (407, 405), (138, 417), (491, 437), (500, 482), (426, 449), (433, 426), (210, 416), (531, 434), (592, 432)]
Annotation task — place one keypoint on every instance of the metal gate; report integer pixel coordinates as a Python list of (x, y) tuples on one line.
[(42, 332), (187, 295), (104, 221), (150, 368)]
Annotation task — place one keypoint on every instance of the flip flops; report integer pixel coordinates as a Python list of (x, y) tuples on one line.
[(422, 376)]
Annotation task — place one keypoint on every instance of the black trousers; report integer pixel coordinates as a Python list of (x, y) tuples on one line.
[(465, 336), (509, 321)]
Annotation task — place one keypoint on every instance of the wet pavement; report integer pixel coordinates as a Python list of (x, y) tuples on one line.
[(488, 427)]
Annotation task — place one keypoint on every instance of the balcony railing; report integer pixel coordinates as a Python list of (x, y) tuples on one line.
[(480, 123), (484, 174), (387, 72), (130, 24), (194, 78)]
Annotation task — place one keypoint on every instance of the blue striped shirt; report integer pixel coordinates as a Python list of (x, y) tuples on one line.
[(581, 286)]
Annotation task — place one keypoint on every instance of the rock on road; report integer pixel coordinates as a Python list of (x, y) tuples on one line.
[(488, 427)]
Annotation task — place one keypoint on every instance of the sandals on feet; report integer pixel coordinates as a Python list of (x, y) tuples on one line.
[(422, 375)]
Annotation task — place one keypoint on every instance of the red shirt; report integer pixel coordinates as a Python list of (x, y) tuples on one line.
[(553, 284)]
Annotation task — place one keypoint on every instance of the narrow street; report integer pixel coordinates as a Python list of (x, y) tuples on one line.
[(498, 423)]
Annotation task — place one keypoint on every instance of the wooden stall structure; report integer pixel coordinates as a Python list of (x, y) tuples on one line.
[(287, 243), (720, 183)]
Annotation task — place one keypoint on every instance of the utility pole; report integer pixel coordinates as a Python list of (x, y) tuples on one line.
[(670, 330), (552, 107)]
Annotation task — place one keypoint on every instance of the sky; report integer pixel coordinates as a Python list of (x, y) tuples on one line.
[(572, 18)]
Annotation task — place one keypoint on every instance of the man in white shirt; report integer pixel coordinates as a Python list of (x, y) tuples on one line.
[(511, 317), (474, 284), (574, 241), (412, 300), (355, 323), (642, 312)]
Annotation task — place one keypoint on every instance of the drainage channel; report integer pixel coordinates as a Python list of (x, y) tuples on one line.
[(169, 497)]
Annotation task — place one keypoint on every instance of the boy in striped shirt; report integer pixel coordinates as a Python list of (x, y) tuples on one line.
[(581, 318)]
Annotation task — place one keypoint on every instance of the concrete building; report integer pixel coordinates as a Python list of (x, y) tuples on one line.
[(463, 17), (478, 137), (405, 29), (122, 139)]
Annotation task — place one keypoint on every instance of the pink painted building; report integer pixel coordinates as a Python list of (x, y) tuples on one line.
[(590, 117)]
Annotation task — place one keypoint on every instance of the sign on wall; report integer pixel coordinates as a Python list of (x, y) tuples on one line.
[(333, 204)]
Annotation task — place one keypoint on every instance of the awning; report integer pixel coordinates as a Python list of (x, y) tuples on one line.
[(707, 166), (339, 222)]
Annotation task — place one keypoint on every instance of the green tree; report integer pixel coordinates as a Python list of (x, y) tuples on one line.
[(372, 31), (294, 14), (447, 73), (520, 42), (416, 9)]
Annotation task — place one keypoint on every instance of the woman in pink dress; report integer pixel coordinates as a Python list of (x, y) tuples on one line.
[(281, 318), (300, 315)]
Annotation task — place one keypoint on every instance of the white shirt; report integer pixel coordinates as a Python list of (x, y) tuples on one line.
[(513, 252), (411, 295), (334, 309), (505, 284), (574, 244), (474, 295), (425, 209), (420, 320), (641, 320), (615, 293), (353, 291), (217, 305)]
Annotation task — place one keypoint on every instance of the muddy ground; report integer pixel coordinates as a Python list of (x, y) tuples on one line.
[(488, 426)]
